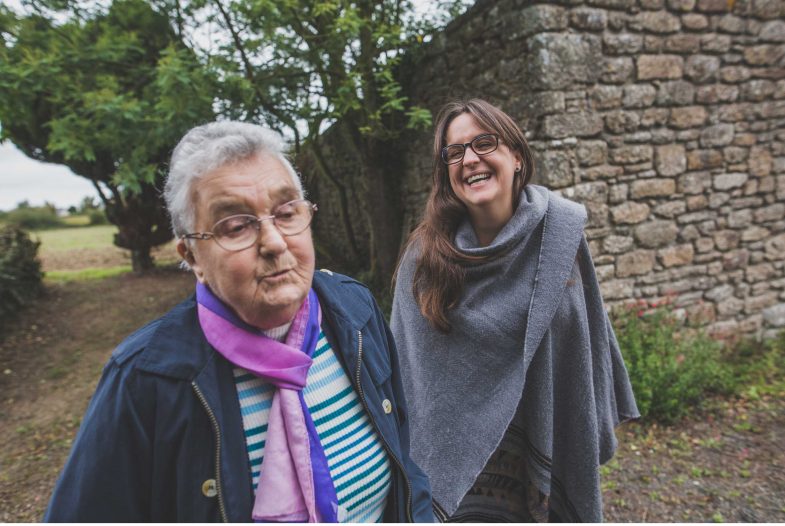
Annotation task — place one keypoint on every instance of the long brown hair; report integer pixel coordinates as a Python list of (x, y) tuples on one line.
[(440, 271)]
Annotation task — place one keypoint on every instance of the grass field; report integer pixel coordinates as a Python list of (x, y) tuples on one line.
[(89, 252)]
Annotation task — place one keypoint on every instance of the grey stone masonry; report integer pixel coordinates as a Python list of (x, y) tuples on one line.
[(666, 118)]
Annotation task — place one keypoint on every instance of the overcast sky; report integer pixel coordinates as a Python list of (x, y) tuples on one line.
[(23, 178)]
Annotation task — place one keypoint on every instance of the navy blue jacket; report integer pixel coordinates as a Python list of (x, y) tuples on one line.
[(162, 439)]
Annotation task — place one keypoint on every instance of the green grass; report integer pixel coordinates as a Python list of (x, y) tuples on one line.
[(86, 274), (100, 236), (82, 220)]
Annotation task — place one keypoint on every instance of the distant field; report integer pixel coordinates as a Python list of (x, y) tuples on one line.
[(88, 253)]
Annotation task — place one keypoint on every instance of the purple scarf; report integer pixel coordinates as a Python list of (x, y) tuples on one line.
[(295, 483)]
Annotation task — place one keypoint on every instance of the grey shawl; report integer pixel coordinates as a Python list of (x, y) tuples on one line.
[(530, 328)]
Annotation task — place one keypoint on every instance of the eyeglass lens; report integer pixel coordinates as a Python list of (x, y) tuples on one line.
[(241, 231), (482, 145)]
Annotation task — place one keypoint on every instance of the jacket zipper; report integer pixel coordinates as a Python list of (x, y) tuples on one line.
[(439, 512), (409, 516), (217, 430)]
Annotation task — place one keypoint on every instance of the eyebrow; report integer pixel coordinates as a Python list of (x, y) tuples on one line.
[(224, 207)]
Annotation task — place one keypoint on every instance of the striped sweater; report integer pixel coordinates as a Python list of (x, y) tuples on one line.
[(356, 457)]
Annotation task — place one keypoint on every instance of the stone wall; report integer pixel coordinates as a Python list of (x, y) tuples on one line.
[(665, 117)]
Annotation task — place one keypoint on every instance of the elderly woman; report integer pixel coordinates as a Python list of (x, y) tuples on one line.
[(511, 366), (272, 394)]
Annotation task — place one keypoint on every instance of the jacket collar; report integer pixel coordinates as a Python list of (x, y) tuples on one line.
[(178, 348)]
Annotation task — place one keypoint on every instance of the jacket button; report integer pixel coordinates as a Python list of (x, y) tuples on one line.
[(387, 406), (209, 488)]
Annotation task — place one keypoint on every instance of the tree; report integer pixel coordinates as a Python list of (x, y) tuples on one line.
[(303, 65), (106, 92)]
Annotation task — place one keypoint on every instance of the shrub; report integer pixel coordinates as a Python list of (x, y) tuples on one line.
[(20, 271), (759, 366), (96, 216), (671, 367), (34, 218)]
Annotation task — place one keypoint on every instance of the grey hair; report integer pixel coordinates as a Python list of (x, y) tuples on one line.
[(208, 147)]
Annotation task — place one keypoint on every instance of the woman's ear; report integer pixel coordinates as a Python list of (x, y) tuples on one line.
[(185, 252)]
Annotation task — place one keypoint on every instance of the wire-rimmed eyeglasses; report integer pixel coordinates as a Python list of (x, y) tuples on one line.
[(482, 145), (241, 231)]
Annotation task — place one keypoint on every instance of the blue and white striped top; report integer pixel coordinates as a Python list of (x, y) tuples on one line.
[(356, 457)]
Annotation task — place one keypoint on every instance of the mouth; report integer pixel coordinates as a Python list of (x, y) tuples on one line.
[(275, 276), (477, 178)]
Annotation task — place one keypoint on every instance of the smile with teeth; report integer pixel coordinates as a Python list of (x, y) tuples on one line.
[(476, 178)]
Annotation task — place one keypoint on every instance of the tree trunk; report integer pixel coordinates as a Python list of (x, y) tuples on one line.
[(141, 260)]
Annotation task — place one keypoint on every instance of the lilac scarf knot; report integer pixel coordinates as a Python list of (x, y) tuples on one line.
[(295, 483)]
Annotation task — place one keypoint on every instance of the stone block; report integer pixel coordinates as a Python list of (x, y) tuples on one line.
[(697, 202), (675, 93), (639, 95), (694, 182), (606, 97), (775, 248), (731, 24), (622, 43), (541, 18), (773, 212), (715, 93), (660, 67), (617, 289), (728, 181), (762, 272), (760, 162), (768, 9), (774, 316), (681, 5), (773, 31), (630, 213), (622, 121), (726, 239), (755, 233), (735, 260), (670, 209), (560, 60), (553, 168), (720, 294), (677, 256), (753, 304), (704, 159), (740, 218), (591, 153), (713, 6), (764, 55), (734, 74), (603, 171), (580, 124), (589, 19), (537, 104), (757, 91), (596, 192), (688, 117), (670, 160), (604, 272), (656, 233), (701, 313), (702, 68), (694, 21), (617, 70), (714, 43), (717, 135), (617, 244), (682, 43), (735, 154), (655, 117), (631, 154), (658, 22), (635, 263), (704, 244), (618, 193)]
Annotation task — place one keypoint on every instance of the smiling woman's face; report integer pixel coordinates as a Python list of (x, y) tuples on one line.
[(482, 182), (266, 283)]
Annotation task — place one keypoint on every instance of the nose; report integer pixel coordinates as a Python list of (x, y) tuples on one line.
[(271, 241), (470, 157)]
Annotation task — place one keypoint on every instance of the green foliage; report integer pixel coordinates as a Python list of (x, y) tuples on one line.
[(759, 366), (20, 271), (106, 90), (671, 368), (32, 217)]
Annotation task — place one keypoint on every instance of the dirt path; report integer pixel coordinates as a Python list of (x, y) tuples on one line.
[(728, 465)]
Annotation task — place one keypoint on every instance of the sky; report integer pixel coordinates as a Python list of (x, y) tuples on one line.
[(23, 178)]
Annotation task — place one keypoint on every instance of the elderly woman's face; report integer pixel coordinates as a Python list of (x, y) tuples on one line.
[(266, 283)]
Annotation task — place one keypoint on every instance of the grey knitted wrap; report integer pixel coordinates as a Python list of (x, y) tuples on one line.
[(530, 328)]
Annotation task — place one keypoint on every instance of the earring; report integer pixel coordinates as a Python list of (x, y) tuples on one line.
[(517, 169)]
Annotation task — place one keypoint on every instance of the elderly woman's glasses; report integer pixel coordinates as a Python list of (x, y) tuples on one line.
[(241, 231), (482, 145)]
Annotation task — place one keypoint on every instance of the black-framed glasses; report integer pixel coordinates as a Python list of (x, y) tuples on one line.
[(482, 145), (241, 231)]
